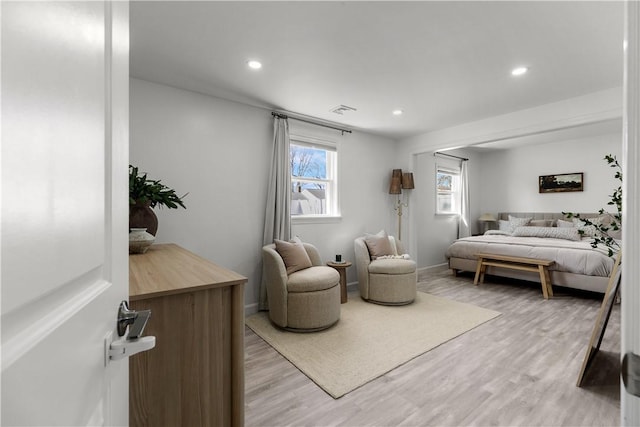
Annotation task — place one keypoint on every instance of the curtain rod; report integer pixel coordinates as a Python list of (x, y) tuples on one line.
[(284, 116), (450, 155)]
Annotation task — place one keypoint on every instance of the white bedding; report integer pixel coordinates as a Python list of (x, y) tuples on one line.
[(569, 256)]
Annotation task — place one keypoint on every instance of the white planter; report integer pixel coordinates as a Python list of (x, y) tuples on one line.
[(140, 240)]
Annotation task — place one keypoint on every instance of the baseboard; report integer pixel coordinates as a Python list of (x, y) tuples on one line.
[(433, 266), (250, 309)]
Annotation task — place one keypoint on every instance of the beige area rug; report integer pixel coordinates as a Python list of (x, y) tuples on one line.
[(370, 340)]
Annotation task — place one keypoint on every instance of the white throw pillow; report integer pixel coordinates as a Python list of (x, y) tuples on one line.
[(587, 230), (564, 224), (515, 222), (548, 232)]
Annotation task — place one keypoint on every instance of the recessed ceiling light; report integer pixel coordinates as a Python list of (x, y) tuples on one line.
[(397, 112), (519, 71), (255, 65)]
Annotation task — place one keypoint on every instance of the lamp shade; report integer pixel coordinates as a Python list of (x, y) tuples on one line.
[(407, 181), (396, 185), (396, 182), (487, 217)]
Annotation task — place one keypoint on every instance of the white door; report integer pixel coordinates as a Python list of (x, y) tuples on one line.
[(64, 158)]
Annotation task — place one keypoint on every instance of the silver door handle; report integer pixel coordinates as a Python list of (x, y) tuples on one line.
[(132, 343), (137, 319)]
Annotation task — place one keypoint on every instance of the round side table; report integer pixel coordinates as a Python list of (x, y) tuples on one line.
[(342, 269)]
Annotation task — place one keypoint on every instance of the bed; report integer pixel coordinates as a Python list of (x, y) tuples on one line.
[(577, 265)]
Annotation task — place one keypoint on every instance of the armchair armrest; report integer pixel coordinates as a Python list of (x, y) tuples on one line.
[(363, 259), (313, 253), (275, 277), (399, 245)]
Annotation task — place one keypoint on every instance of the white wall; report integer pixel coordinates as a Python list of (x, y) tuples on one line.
[(364, 171), (434, 233), (510, 177), (219, 152), (582, 110)]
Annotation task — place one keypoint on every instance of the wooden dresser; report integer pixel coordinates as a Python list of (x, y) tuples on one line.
[(195, 374)]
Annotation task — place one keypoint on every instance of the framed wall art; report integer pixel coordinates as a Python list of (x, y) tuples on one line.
[(560, 183)]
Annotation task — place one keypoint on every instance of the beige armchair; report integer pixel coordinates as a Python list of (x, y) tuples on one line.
[(385, 281), (306, 300)]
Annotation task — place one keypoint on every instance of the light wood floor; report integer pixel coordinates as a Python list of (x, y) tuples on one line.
[(519, 369)]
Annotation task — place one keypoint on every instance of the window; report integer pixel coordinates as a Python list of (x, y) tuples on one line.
[(447, 191), (313, 178)]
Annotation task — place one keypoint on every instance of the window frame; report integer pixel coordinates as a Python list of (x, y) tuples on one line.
[(331, 182), (455, 192)]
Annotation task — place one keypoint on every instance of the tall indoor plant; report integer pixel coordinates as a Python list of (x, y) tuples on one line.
[(144, 195), (603, 235)]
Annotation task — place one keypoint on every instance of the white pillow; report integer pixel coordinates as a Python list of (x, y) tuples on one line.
[(515, 222), (503, 225), (548, 232), (587, 230), (564, 224)]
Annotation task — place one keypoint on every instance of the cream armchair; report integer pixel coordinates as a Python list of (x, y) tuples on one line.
[(303, 301), (385, 281)]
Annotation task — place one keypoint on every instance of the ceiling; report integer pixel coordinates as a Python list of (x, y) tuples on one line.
[(442, 63)]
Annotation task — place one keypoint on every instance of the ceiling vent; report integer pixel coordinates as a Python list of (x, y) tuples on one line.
[(341, 109)]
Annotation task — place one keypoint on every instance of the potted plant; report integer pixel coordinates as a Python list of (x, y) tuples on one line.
[(144, 195)]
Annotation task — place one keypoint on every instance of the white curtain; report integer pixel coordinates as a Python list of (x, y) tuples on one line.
[(464, 225), (277, 220)]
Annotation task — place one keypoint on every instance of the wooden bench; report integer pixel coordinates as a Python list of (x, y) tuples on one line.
[(516, 263)]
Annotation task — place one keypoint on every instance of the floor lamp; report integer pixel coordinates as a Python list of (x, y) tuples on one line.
[(400, 181)]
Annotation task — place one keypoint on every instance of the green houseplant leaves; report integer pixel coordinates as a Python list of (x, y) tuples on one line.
[(143, 190), (602, 236)]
